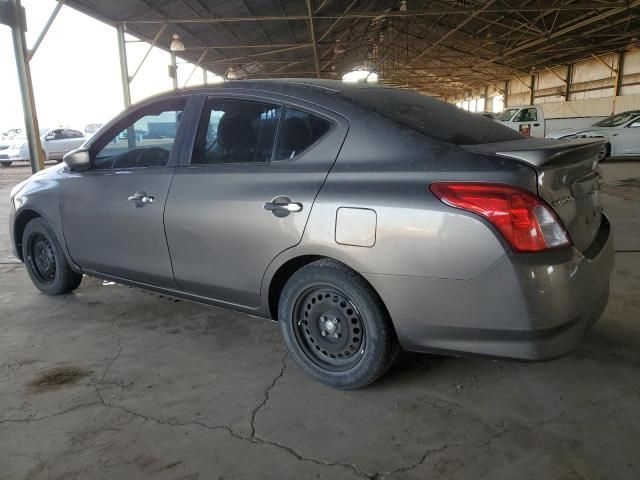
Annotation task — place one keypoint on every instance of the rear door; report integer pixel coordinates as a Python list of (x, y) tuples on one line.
[(74, 139), (256, 168), (113, 213)]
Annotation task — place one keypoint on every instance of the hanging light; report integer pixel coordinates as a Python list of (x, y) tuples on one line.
[(403, 6), (338, 49), (176, 44)]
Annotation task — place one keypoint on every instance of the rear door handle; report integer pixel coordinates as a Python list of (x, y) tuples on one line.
[(282, 206), (141, 197)]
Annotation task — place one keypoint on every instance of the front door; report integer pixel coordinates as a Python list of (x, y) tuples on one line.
[(527, 122), (256, 169), (113, 213), (626, 141)]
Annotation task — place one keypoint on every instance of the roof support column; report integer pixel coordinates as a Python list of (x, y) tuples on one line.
[(173, 70), (124, 69), (617, 86), (18, 27), (532, 95), (568, 82)]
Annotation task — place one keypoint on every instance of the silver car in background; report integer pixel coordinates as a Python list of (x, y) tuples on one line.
[(56, 143), (621, 132), (363, 218)]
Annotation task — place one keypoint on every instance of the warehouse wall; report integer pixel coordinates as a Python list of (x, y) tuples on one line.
[(592, 88)]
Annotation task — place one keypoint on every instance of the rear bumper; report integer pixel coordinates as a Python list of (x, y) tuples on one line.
[(529, 307)]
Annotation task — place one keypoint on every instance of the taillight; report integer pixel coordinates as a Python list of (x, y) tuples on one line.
[(525, 220)]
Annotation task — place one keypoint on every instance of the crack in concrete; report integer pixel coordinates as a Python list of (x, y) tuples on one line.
[(45, 417), (267, 396), (254, 437)]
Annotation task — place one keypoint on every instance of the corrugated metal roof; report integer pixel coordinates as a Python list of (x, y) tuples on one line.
[(439, 47)]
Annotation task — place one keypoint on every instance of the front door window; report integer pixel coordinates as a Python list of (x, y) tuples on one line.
[(146, 140)]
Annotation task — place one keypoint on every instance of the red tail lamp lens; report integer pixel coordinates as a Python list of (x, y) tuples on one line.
[(526, 221)]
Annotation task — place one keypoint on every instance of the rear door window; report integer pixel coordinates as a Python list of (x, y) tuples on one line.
[(429, 116), (73, 134), (299, 130), (236, 131)]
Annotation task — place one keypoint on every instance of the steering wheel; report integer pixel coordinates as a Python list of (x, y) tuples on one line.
[(153, 157)]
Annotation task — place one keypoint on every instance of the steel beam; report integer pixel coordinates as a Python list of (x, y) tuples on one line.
[(312, 34), (46, 28), (431, 11), (146, 54), (124, 68), (36, 154)]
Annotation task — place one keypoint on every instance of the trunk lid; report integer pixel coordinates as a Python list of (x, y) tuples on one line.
[(567, 176)]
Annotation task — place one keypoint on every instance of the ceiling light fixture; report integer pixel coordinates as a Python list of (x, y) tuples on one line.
[(176, 44), (338, 49)]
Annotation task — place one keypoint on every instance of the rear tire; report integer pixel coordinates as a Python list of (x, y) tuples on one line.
[(45, 261), (335, 326), (6, 163)]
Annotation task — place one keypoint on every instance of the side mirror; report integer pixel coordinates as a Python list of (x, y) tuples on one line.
[(50, 137), (77, 160)]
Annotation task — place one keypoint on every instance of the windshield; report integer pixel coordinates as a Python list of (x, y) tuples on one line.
[(617, 120), (433, 118), (507, 114)]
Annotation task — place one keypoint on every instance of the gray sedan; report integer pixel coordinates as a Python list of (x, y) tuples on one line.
[(364, 219)]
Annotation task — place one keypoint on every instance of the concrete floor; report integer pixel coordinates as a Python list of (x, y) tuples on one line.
[(115, 382)]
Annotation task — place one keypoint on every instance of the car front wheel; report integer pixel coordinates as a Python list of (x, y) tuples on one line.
[(605, 151), (45, 262), (335, 326)]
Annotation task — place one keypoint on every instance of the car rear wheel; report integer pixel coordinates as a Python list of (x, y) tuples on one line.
[(6, 163), (43, 257), (335, 326)]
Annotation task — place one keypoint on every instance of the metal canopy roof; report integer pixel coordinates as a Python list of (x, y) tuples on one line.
[(440, 47)]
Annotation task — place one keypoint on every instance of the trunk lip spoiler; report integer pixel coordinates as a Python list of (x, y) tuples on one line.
[(539, 152)]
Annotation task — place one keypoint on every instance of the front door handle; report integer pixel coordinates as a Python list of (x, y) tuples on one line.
[(282, 206), (141, 197)]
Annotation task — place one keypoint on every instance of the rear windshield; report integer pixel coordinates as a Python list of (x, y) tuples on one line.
[(433, 118)]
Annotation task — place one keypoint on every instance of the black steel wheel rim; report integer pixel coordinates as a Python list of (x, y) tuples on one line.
[(42, 258), (329, 328)]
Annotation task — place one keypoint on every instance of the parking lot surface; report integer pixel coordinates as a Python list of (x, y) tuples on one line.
[(115, 382)]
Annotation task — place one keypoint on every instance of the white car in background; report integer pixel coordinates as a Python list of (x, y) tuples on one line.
[(622, 132), (56, 143)]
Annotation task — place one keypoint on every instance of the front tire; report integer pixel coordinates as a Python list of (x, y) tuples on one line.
[(45, 261), (605, 152), (6, 163), (335, 326)]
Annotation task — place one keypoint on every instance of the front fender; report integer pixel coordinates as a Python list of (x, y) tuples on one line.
[(39, 196)]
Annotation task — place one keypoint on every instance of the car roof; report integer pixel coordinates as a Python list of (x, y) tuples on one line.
[(302, 87)]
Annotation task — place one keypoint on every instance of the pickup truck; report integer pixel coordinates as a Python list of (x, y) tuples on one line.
[(528, 120)]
